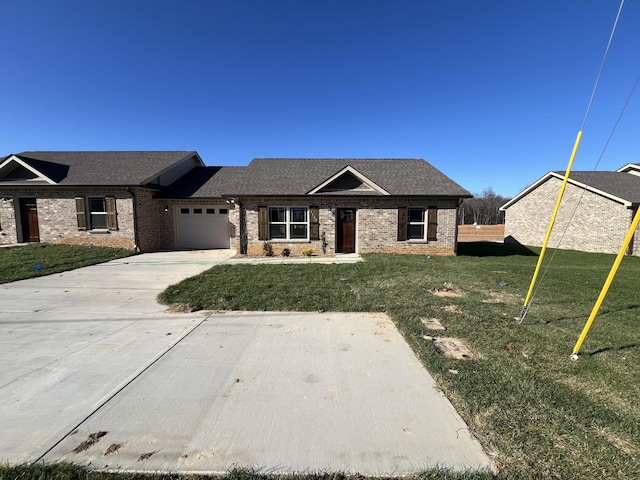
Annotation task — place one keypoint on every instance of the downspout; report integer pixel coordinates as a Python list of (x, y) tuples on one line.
[(136, 244)]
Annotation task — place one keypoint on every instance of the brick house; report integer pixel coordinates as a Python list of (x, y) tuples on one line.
[(171, 200), (594, 216)]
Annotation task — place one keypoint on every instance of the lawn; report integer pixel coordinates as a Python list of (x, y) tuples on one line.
[(539, 413), (35, 260)]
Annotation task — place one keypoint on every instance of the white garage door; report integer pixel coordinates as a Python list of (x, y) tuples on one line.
[(202, 226)]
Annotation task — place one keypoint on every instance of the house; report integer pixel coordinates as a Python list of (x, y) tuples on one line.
[(171, 200), (594, 216)]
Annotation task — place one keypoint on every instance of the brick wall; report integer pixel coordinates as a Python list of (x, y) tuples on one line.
[(57, 219), (376, 225), (8, 232), (598, 225)]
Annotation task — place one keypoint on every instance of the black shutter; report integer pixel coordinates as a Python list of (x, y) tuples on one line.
[(402, 224), (314, 223), (263, 223), (432, 225), (112, 215), (81, 213)]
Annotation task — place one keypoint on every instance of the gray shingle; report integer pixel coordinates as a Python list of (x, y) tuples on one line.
[(621, 185), (205, 182), (298, 176), (102, 168)]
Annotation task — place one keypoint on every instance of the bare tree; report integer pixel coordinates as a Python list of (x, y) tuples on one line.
[(482, 209)]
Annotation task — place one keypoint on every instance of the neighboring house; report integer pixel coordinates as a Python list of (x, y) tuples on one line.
[(594, 216), (171, 200)]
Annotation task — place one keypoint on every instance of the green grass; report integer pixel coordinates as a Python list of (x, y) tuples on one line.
[(18, 263), (541, 414)]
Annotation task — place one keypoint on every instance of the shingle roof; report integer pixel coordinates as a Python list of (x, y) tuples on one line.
[(298, 176), (102, 168), (204, 182), (624, 186)]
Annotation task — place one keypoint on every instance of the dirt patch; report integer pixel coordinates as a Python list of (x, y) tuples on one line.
[(113, 448), (145, 456), (452, 308), (91, 440), (453, 348), (447, 290), (433, 324), (182, 308)]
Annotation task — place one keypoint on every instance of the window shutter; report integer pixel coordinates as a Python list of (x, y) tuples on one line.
[(112, 215), (263, 223), (81, 213), (402, 224), (432, 226), (314, 223)]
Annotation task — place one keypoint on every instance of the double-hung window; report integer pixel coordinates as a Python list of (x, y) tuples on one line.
[(288, 223), (96, 213), (417, 223)]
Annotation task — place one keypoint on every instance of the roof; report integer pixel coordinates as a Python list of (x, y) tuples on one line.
[(116, 168), (204, 182), (301, 176), (618, 186)]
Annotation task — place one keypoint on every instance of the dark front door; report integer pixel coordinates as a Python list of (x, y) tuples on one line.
[(29, 219), (346, 227)]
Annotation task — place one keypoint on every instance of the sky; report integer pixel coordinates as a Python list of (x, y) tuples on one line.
[(490, 92)]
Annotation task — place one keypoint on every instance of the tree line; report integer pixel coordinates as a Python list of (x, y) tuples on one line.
[(483, 209)]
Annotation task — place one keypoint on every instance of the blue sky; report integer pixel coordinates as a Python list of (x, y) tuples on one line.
[(491, 92)]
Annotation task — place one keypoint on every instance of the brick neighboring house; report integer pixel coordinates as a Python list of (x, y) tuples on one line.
[(171, 200), (606, 203)]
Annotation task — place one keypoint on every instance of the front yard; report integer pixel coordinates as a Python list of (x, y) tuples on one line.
[(34, 260), (540, 414)]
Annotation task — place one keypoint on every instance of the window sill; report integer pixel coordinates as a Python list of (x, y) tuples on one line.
[(284, 240), (99, 231)]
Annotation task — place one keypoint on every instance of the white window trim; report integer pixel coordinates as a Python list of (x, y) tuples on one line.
[(90, 214), (424, 223), (288, 224)]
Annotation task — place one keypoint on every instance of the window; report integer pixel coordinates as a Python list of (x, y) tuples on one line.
[(184, 210), (197, 210), (417, 223), (224, 211), (96, 213), (288, 223), (211, 211)]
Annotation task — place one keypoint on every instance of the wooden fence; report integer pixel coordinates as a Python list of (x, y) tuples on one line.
[(480, 233)]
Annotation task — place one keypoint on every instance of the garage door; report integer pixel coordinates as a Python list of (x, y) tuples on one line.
[(202, 226)]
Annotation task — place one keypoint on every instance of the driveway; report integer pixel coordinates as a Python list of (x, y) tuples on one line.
[(95, 372)]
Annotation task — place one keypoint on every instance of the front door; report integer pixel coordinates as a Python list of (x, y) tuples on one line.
[(29, 219), (346, 230)]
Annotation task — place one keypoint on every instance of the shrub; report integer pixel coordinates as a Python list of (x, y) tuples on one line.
[(307, 252), (267, 249)]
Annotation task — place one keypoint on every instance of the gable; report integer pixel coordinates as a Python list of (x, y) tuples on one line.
[(16, 169), (350, 182)]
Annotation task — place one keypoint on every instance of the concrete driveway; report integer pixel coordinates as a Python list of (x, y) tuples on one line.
[(95, 372)]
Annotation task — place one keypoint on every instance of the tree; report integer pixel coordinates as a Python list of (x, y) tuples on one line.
[(482, 209)]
